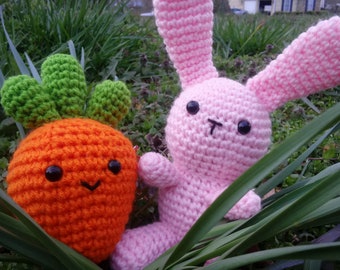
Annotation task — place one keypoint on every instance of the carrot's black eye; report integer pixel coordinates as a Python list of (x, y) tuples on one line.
[(53, 173), (114, 166), (243, 127), (193, 107)]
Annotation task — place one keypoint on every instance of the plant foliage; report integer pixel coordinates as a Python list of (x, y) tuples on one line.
[(300, 173), (106, 32)]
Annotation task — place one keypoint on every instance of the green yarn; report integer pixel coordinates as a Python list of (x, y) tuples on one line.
[(26, 101), (63, 94), (64, 80), (109, 103)]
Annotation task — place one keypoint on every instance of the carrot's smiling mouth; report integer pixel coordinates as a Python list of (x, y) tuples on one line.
[(89, 186)]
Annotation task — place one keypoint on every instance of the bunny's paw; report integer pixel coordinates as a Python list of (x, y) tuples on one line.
[(156, 170), (248, 206)]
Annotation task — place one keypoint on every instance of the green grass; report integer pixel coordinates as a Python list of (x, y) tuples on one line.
[(257, 34), (107, 33), (118, 43)]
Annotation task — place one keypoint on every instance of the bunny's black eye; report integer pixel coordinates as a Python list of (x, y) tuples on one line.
[(193, 107), (53, 173), (243, 127), (114, 166)]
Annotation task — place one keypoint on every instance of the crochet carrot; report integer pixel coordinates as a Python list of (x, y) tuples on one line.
[(74, 173)]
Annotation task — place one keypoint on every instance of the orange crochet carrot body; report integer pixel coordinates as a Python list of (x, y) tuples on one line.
[(75, 174), (88, 206)]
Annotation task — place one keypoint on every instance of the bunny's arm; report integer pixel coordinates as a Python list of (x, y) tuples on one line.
[(246, 207), (157, 171)]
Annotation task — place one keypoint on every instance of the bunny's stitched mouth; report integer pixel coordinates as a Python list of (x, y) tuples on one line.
[(214, 124), (89, 186)]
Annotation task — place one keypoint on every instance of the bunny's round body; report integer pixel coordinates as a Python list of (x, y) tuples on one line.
[(211, 146), (218, 128)]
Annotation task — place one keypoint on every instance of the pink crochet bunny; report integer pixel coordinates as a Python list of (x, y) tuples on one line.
[(218, 128)]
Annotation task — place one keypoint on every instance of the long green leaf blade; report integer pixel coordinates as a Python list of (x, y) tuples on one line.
[(33, 69), (327, 251), (322, 191), (17, 57), (36, 254), (279, 177), (2, 79), (65, 255)]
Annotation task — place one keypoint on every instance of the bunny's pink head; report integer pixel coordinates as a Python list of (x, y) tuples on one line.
[(215, 127)]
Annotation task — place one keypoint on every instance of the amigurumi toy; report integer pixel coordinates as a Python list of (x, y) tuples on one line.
[(217, 128), (74, 173)]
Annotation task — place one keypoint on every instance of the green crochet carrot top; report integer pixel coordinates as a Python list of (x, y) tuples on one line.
[(63, 94)]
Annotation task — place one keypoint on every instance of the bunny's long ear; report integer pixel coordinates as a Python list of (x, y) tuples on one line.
[(186, 27), (310, 64)]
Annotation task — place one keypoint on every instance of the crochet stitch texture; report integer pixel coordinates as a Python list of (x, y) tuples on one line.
[(74, 175), (62, 94), (217, 128), (90, 221)]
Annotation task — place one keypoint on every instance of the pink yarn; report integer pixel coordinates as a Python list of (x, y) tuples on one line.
[(217, 128), (309, 64), (186, 28)]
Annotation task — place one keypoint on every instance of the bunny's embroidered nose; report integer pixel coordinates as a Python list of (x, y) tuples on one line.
[(214, 124)]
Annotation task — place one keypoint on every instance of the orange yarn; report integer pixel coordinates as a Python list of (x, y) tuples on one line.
[(89, 206)]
